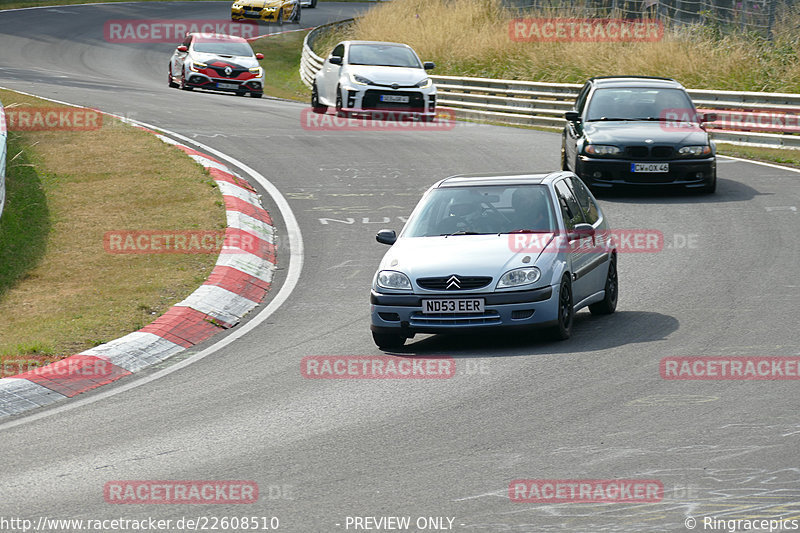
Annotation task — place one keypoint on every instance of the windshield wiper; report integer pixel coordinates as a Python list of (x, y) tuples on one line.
[(462, 232), (603, 119)]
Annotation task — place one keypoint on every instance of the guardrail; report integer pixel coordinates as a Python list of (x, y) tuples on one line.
[(3, 135), (748, 118), (310, 62)]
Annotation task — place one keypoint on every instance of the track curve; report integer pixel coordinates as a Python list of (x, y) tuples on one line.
[(593, 407)]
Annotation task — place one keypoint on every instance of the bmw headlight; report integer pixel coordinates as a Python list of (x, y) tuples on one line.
[(196, 65), (271, 9), (519, 277), (360, 80), (695, 151), (602, 149), (391, 279), (256, 70), (424, 84)]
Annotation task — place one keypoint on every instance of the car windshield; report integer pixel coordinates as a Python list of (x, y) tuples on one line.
[(223, 48), (387, 55), (640, 103), (474, 210)]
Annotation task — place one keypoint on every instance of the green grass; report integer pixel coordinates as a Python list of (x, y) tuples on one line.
[(25, 222), (780, 156), (61, 292), (281, 63)]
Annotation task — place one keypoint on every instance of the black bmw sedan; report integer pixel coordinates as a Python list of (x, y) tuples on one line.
[(642, 131)]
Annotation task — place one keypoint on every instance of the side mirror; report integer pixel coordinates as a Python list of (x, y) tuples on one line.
[(429, 65), (183, 48), (335, 60), (386, 236), (580, 231), (572, 116), (708, 117), (259, 56)]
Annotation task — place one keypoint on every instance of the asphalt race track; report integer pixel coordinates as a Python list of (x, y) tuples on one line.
[(519, 407)]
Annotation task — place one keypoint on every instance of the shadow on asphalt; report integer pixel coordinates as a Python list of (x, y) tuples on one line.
[(589, 333), (727, 191)]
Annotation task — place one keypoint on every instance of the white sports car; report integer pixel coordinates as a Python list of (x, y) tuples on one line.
[(375, 78)]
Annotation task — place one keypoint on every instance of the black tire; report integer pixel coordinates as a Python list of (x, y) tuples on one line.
[(313, 4), (564, 165), (280, 17), (256, 95), (566, 314), (339, 104), (315, 105), (608, 304), (171, 82), (296, 18), (183, 85), (710, 189), (388, 341)]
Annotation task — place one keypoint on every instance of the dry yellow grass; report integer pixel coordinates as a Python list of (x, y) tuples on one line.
[(471, 38), (77, 295)]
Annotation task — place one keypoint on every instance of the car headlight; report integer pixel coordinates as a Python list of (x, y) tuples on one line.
[(519, 277), (391, 279), (424, 84), (695, 151), (270, 9), (602, 149), (360, 80), (196, 65), (256, 70)]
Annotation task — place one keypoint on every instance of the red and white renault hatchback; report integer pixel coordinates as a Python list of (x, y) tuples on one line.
[(216, 62)]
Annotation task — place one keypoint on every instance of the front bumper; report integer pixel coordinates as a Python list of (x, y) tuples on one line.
[(367, 100), (402, 313), (606, 173), (203, 81), (242, 13)]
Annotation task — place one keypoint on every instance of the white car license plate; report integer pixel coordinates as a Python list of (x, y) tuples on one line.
[(227, 86), (649, 167), (459, 306), (396, 98)]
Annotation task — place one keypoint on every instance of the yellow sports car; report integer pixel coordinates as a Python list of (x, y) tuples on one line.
[(279, 11)]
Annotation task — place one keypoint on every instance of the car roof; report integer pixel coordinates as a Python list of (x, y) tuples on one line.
[(375, 42), (635, 81), (219, 37), (476, 180)]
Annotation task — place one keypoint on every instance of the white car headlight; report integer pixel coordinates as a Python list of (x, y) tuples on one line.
[(695, 151), (602, 149), (391, 279), (198, 65), (256, 70), (519, 277), (360, 80), (424, 84)]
